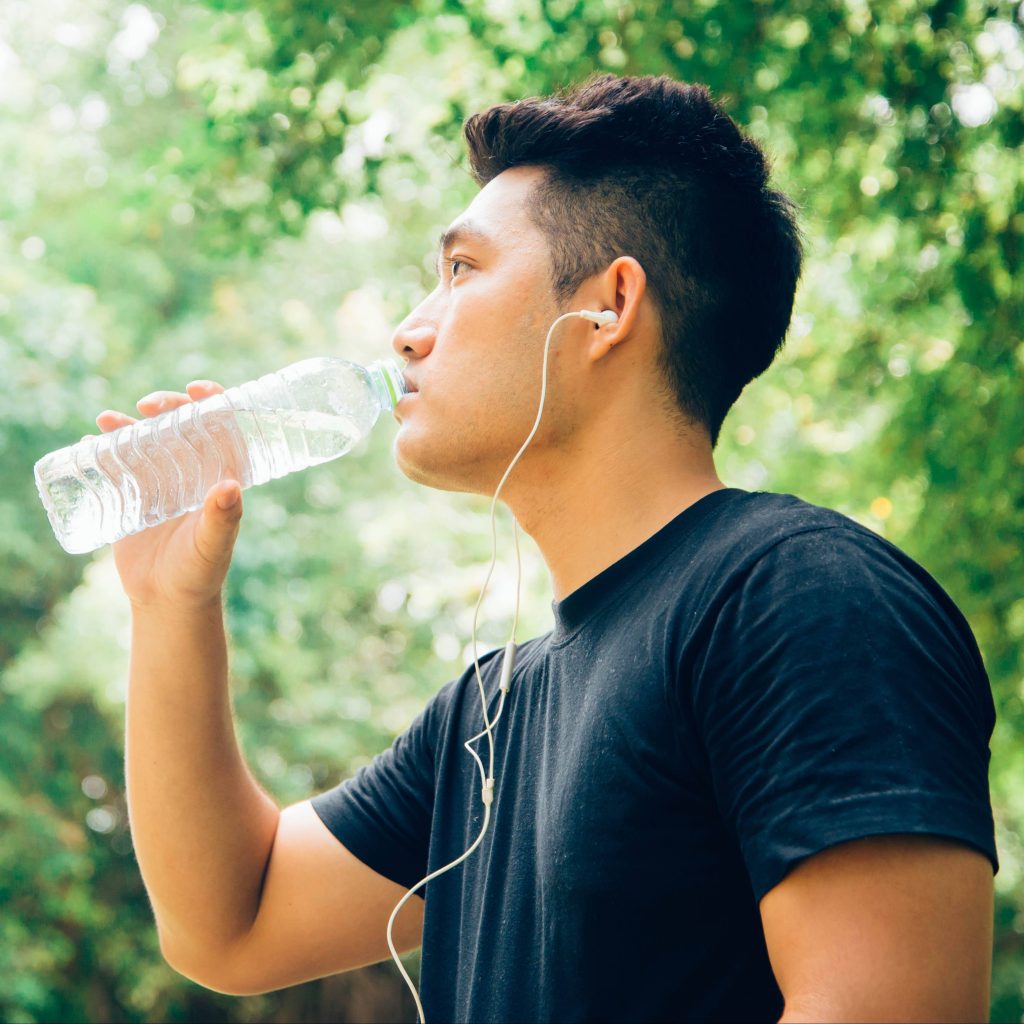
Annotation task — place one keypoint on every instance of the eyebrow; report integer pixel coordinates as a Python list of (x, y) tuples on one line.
[(464, 231)]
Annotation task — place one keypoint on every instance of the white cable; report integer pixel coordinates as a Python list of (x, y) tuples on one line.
[(508, 661)]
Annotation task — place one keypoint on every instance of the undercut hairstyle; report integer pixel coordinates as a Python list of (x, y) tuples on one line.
[(654, 169)]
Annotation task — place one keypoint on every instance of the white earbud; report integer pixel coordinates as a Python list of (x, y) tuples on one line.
[(606, 316)]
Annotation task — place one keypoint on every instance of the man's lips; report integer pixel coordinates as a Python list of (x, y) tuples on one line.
[(406, 399)]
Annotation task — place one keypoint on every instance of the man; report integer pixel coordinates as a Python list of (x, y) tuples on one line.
[(745, 775)]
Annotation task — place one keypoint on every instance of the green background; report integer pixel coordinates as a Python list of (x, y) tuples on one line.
[(217, 189)]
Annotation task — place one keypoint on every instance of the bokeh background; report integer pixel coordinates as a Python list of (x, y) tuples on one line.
[(216, 188)]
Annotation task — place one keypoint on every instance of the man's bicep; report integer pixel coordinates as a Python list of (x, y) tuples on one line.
[(322, 911), (895, 927)]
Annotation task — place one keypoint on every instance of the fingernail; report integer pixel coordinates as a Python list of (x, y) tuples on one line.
[(153, 396), (228, 499), (201, 384)]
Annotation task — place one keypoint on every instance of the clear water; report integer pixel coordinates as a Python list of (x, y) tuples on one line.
[(115, 484)]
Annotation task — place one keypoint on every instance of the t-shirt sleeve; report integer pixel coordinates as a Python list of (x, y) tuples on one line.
[(382, 815), (840, 694)]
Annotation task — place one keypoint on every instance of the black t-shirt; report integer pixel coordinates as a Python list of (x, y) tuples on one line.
[(759, 680)]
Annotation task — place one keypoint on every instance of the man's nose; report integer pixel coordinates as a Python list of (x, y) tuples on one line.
[(414, 337)]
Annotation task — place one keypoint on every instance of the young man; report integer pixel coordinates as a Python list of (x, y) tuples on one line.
[(745, 775)]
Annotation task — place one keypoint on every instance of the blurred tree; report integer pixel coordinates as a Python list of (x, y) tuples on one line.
[(214, 189)]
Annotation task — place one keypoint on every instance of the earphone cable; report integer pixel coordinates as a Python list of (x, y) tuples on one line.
[(486, 779)]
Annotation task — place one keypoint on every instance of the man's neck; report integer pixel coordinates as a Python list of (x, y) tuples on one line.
[(588, 508)]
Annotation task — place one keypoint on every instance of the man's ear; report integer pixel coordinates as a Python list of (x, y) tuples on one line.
[(620, 287)]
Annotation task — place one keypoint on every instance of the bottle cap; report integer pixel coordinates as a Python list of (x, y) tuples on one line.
[(388, 382)]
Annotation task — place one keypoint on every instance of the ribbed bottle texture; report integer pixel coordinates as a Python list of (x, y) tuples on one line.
[(110, 485)]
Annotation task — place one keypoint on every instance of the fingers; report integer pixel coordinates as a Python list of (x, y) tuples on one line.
[(110, 419), (203, 389), (160, 401), (157, 402)]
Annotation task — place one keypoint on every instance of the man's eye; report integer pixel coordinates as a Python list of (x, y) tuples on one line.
[(453, 265)]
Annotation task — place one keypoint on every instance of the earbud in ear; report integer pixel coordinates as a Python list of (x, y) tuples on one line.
[(606, 316)]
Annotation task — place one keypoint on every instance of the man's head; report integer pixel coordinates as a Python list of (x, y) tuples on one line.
[(636, 195), (654, 169)]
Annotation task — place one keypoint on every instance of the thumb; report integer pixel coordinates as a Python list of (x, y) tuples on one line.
[(228, 497), (219, 522)]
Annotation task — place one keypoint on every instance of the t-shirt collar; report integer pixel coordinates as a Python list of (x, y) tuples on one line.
[(587, 600)]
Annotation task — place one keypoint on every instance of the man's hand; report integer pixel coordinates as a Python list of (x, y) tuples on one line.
[(886, 928), (182, 563)]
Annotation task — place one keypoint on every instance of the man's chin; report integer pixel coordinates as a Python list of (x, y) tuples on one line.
[(418, 469), (430, 472)]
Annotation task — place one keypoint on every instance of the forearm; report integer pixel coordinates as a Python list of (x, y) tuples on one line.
[(201, 826)]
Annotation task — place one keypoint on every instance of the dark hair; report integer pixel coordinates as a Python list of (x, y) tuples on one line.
[(655, 169)]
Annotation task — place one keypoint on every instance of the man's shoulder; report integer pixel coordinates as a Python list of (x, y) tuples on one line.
[(767, 536), (816, 533), (784, 550), (767, 517), (752, 526), (747, 526)]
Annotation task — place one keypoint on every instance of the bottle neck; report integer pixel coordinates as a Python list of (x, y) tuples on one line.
[(388, 382)]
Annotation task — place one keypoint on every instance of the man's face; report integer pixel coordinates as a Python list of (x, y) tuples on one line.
[(475, 346)]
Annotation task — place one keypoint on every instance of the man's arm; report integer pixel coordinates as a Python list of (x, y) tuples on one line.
[(886, 928), (247, 899), (201, 826), (322, 911)]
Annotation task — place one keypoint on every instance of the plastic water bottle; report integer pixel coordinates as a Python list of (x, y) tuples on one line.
[(111, 485)]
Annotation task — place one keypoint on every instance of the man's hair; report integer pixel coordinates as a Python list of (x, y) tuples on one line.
[(655, 169)]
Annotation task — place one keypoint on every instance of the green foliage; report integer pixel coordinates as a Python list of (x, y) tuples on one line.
[(216, 189)]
